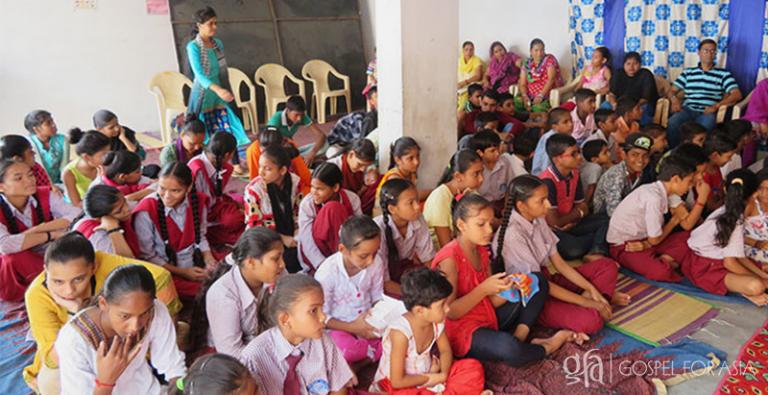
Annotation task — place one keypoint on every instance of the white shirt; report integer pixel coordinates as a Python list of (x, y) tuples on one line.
[(232, 311), (702, 239), (348, 297), (496, 180)]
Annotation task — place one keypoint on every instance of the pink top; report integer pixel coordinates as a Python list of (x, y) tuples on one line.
[(582, 130), (594, 80), (640, 215), (702, 239), (527, 245)]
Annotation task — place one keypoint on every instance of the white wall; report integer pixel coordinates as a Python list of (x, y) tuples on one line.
[(74, 62)]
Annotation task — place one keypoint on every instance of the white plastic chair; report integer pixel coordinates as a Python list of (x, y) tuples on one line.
[(250, 117), (271, 76), (168, 89), (317, 72)]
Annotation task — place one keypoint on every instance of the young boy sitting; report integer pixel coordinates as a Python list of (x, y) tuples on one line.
[(474, 92), (288, 121), (498, 171), (580, 234), (490, 103), (522, 152), (583, 115), (740, 131), (558, 121), (639, 238), (629, 113), (507, 104), (605, 120), (596, 160), (693, 132), (719, 149), (659, 135), (623, 178)]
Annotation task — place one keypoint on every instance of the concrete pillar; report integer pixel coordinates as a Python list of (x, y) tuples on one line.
[(417, 53)]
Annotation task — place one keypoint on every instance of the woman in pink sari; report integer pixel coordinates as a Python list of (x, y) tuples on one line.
[(503, 69), (539, 75)]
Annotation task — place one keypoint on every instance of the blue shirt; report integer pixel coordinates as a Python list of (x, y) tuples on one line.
[(704, 88), (540, 158)]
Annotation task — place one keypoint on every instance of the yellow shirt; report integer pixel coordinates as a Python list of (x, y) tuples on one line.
[(46, 317)]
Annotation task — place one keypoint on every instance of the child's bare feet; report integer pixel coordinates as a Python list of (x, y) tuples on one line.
[(552, 344), (669, 261), (759, 300), (620, 299)]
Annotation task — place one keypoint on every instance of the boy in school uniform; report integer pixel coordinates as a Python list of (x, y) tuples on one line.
[(583, 115), (605, 120), (498, 170), (719, 148), (289, 120), (639, 238), (623, 178), (559, 121), (596, 160), (522, 152), (490, 103), (579, 233)]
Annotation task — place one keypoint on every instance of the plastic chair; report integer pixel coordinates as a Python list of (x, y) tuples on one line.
[(559, 95), (250, 117), (168, 88), (316, 71), (738, 108), (661, 115), (271, 76)]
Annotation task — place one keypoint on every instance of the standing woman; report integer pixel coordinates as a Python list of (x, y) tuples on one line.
[(210, 90), (470, 70), (503, 69), (540, 74)]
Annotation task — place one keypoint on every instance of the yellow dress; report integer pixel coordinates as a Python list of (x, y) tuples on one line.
[(467, 70)]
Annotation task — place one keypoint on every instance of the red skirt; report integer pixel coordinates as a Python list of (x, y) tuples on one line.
[(17, 271)]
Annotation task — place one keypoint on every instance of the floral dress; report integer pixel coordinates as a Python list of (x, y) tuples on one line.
[(756, 228)]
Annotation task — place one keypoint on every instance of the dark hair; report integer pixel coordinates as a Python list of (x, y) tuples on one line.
[(632, 55), (328, 173), (762, 175), (491, 94), (201, 16), (13, 225), (357, 229), (401, 147), (737, 128), (278, 155), (423, 286), (520, 189), (13, 145), (128, 278), (102, 117), (469, 202), (474, 87), (483, 140), (388, 196), (363, 149), (525, 143), (100, 200), (505, 96), (120, 162), (602, 115), (535, 42), (739, 186), (556, 115), (181, 172), (691, 152), (690, 129), (487, 116), (193, 126), (288, 289), (72, 245), (591, 149), (654, 130), (34, 119), (221, 144), (720, 143), (706, 41), (212, 374), (467, 43), (494, 45), (270, 136), (88, 143), (460, 163), (558, 143), (675, 166), (296, 103), (625, 104), (606, 54), (582, 94)]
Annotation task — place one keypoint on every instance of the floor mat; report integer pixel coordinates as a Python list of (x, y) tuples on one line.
[(15, 351), (687, 287), (749, 373)]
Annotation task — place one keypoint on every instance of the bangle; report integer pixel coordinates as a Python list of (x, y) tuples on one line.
[(49, 236), (103, 385), (699, 204), (118, 229), (581, 213)]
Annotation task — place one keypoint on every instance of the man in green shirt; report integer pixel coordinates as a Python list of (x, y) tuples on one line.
[(289, 120)]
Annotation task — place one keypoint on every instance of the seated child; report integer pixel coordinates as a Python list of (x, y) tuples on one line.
[(522, 152), (15, 147), (490, 103), (463, 174), (659, 135), (406, 243), (596, 160), (624, 177), (756, 222), (740, 131), (583, 115), (50, 146), (597, 74), (480, 324), (122, 170), (404, 160), (407, 363), (296, 356), (212, 172), (475, 93), (629, 112), (321, 215), (227, 317), (716, 262), (558, 122), (188, 145), (91, 147), (215, 374), (693, 132), (121, 138), (639, 238), (288, 121), (31, 217), (605, 120), (719, 149), (272, 200), (357, 174), (686, 208), (506, 104), (171, 225), (51, 301), (580, 234), (498, 170), (268, 137), (119, 343), (106, 221), (579, 297)]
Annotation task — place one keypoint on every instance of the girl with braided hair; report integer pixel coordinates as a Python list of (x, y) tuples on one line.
[(171, 226), (212, 171), (30, 217), (123, 170), (406, 243)]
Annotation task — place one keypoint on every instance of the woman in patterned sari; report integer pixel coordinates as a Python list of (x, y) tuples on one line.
[(539, 75)]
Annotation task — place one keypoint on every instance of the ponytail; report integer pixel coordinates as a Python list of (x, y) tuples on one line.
[(460, 162), (739, 186), (221, 144)]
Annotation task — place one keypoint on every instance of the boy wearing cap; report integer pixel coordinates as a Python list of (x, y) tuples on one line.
[(622, 178)]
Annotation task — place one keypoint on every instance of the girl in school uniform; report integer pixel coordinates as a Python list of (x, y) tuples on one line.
[(171, 226), (352, 281), (481, 324), (716, 261), (122, 170), (464, 174), (74, 274), (404, 160), (272, 200), (188, 145), (321, 215), (269, 137), (216, 374), (50, 146), (578, 298), (296, 356), (91, 147), (18, 148), (30, 218), (406, 243), (354, 164), (106, 222), (108, 348), (212, 172), (229, 318)]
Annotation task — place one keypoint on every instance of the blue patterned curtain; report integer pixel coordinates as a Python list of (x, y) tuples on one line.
[(585, 26), (763, 71)]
